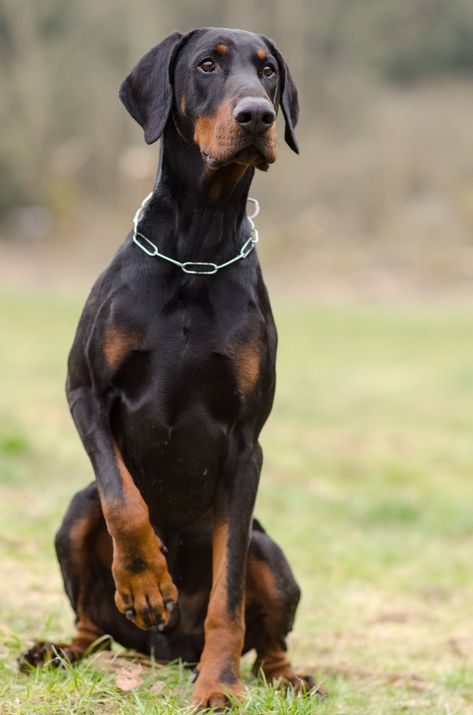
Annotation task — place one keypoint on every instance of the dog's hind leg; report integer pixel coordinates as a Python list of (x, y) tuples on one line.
[(272, 596), (84, 551), (76, 546)]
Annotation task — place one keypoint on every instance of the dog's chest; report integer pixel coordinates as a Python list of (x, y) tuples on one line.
[(196, 367), (210, 354), (179, 399)]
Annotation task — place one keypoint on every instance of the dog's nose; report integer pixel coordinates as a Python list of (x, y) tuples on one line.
[(254, 114)]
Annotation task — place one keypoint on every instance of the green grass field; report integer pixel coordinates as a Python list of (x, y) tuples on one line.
[(367, 485)]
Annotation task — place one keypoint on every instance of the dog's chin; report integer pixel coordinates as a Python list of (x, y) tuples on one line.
[(250, 156), (253, 156)]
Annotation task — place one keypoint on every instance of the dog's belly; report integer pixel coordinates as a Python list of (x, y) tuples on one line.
[(175, 467), (175, 434)]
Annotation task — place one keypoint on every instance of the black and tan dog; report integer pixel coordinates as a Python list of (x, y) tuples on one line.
[(171, 378)]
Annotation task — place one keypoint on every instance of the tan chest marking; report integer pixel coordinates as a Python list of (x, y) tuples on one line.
[(247, 364), (117, 344)]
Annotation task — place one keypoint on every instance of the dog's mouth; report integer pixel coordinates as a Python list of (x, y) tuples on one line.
[(210, 161), (251, 155)]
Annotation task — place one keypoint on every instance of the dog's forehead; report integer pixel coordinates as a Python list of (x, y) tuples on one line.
[(224, 40)]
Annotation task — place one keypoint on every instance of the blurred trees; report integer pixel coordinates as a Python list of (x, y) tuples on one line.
[(61, 64)]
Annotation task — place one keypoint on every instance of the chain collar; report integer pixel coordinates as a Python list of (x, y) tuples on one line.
[(203, 268)]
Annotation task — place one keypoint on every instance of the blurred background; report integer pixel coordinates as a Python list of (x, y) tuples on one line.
[(367, 250), (379, 205)]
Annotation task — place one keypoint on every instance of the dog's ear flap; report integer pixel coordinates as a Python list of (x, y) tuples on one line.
[(147, 91), (289, 101)]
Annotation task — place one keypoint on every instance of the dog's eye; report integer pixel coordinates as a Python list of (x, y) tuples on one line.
[(207, 65), (268, 70)]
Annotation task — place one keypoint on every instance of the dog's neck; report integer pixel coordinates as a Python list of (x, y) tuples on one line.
[(197, 213)]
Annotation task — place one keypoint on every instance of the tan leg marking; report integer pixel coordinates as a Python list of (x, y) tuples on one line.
[(144, 588), (219, 668), (80, 535), (261, 587)]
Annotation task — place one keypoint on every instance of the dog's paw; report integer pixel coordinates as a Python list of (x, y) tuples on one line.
[(281, 674), (47, 653), (145, 592), (301, 683), (211, 693)]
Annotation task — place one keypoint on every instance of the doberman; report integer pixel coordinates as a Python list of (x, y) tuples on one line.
[(171, 378)]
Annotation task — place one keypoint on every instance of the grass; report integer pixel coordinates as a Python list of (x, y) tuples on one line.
[(367, 485)]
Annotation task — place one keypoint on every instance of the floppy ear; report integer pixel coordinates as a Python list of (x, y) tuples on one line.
[(289, 102), (147, 91)]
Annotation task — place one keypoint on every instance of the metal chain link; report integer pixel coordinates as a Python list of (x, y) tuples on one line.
[(207, 268)]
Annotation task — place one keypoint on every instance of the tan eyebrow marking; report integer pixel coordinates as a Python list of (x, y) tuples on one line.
[(261, 53), (221, 48)]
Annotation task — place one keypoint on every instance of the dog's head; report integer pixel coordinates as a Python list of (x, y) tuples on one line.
[(222, 89)]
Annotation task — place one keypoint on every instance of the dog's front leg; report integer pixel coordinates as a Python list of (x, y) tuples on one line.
[(144, 592), (219, 667)]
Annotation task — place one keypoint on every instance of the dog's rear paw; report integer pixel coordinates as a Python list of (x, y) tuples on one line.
[(283, 676), (304, 684), (47, 653)]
